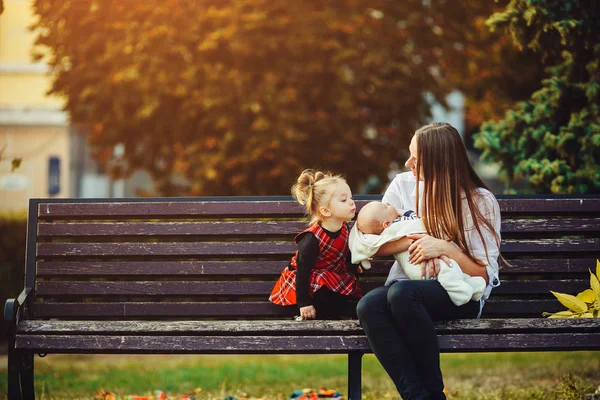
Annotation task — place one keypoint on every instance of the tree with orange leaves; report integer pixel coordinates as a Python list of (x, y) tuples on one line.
[(236, 97)]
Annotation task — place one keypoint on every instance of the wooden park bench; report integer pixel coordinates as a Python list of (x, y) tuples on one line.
[(193, 275)]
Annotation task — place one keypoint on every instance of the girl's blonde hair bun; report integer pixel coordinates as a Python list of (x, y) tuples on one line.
[(312, 190)]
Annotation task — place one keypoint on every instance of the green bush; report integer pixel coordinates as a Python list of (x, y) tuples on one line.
[(551, 140), (13, 232)]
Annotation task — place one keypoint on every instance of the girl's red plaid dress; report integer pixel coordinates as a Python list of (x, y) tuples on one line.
[(329, 269)]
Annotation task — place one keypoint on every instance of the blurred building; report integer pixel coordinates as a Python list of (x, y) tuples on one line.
[(56, 161), (32, 125)]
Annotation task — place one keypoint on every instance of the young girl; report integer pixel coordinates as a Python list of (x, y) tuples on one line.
[(317, 278)]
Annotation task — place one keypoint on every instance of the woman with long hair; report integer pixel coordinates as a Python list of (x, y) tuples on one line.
[(462, 219)]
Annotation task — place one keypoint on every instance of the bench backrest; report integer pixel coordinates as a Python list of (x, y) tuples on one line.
[(218, 258)]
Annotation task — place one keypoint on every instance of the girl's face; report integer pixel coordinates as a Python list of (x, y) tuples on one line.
[(412, 160), (341, 206)]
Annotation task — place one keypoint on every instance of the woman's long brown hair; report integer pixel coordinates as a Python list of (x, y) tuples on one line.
[(447, 174)]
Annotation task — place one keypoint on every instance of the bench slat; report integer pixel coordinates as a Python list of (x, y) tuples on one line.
[(255, 288), (214, 228), (175, 208), (124, 310), (160, 268), (558, 246), (266, 228), (194, 249), (276, 328), (541, 286), (300, 344), (192, 269), (543, 265), (540, 206), (245, 309), (152, 208), (180, 249), (570, 226), (154, 288), (531, 307)]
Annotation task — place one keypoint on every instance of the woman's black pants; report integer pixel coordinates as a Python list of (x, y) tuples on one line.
[(398, 320)]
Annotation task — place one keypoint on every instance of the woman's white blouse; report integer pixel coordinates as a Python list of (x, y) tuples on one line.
[(401, 193)]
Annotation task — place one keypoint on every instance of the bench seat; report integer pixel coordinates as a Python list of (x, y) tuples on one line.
[(291, 337)]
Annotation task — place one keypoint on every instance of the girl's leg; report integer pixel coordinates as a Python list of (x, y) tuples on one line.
[(414, 306), (388, 344)]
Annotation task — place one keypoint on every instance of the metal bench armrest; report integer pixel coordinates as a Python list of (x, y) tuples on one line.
[(12, 306)]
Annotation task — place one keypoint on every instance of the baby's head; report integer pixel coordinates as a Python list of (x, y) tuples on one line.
[(375, 216)]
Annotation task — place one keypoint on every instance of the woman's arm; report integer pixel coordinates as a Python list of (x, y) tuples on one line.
[(427, 248)]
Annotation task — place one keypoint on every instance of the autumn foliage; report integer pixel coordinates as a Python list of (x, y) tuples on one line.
[(236, 97)]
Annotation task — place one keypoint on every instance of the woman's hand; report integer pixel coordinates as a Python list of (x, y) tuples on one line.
[(308, 312), (433, 267), (426, 247)]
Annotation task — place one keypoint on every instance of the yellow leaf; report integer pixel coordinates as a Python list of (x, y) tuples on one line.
[(571, 302), (597, 268), (587, 295), (560, 314), (595, 285), (148, 108), (586, 315), (207, 44)]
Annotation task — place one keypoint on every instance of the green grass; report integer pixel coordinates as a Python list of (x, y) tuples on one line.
[(467, 376)]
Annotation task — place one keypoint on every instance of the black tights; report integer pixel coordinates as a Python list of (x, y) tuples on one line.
[(332, 305)]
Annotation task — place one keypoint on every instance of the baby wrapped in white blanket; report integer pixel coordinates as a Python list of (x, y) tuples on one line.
[(378, 223)]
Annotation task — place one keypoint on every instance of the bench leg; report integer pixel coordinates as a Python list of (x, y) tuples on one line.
[(14, 377), (20, 375), (27, 376), (354, 375), (14, 371)]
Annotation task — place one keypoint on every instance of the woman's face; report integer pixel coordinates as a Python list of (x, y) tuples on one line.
[(412, 159)]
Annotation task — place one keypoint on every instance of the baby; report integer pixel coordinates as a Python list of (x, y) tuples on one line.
[(378, 223)]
